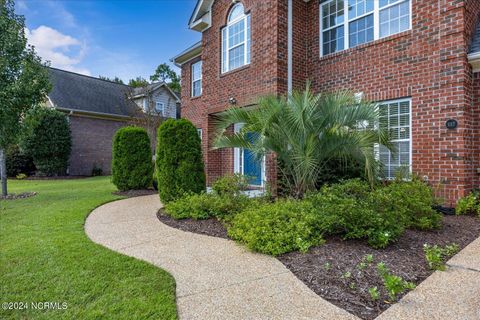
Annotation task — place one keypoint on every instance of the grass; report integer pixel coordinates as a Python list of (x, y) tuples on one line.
[(45, 256)]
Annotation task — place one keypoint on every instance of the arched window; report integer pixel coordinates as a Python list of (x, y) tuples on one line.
[(236, 39)]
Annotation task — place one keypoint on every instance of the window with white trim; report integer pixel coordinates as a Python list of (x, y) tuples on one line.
[(159, 107), (348, 23), (395, 116), (199, 132), (197, 79), (236, 40)]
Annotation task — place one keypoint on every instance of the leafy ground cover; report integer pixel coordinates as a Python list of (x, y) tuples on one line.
[(46, 257)]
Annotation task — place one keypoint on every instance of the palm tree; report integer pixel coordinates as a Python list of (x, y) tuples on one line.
[(305, 131)]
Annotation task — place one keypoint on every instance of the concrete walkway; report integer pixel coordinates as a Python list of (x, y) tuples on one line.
[(218, 279)]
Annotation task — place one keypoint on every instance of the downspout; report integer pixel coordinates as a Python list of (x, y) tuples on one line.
[(290, 47)]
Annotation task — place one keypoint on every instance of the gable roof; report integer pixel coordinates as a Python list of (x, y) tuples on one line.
[(77, 92), (201, 15), (475, 46), (142, 91)]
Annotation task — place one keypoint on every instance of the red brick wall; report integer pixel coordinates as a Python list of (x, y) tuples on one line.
[(245, 84), (428, 64), (476, 130), (91, 144)]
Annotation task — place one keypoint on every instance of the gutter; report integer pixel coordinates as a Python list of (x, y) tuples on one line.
[(290, 47), (93, 113)]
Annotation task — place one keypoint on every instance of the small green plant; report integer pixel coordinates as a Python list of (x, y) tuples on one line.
[(352, 285), (230, 185), (347, 275), (394, 285), (469, 204), (96, 170), (436, 255), (327, 266), (374, 293), (21, 176), (368, 258)]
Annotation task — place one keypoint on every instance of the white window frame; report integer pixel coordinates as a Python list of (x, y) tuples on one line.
[(200, 134), (197, 80), (346, 23), (157, 103), (410, 139), (225, 47)]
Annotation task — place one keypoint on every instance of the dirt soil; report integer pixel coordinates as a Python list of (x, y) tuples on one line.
[(16, 196), (338, 271), (135, 193)]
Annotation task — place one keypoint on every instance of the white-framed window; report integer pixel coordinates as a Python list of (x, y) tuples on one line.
[(197, 79), (348, 23), (396, 117), (199, 131), (160, 107), (236, 40)]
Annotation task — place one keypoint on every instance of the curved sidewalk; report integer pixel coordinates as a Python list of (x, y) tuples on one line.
[(216, 278)]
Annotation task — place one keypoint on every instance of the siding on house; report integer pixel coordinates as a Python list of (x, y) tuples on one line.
[(164, 96), (427, 64)]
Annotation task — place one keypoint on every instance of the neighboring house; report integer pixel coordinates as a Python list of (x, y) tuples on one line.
[(419, 59), (97, 109)]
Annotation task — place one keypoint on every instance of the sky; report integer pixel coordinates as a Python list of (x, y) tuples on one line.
[(122, 38)]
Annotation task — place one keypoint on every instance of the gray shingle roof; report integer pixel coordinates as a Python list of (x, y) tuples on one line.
[(475, 47), (83, 93)]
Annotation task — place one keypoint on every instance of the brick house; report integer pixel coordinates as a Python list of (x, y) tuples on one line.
[(97, 108), (420, 59)]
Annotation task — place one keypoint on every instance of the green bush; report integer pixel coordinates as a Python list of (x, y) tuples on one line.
[(18, 162), (47, 139), (276, 228), (180, 168), (204, 206), (131, 159), (436, 255), (417, 198), (469, 204), (230, 185)]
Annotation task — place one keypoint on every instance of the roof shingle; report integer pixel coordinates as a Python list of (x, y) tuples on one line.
[(83, 93)]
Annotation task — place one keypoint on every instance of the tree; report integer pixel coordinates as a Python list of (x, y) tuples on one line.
[(23, 79), (179, 161), (132, 166), (306, 131), (116, 79), (138, 82), (46, 137), (165, 74)]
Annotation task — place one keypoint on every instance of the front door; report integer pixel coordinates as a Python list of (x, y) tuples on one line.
[(252, 168)]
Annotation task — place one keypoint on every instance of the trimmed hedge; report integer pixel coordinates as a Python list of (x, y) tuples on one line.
[(47, 139), (180, 168), (132, 166)]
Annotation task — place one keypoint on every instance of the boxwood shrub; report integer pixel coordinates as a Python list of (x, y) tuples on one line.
[(18, 162), (179, 162), (132, 166), (46, 137)]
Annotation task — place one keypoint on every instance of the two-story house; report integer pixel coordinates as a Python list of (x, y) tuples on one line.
[(419, 59)]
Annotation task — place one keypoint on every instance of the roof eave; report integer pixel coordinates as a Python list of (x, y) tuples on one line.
[(187, 55), (474, 60)]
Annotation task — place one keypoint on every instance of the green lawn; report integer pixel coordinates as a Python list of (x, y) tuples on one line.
[(46, 256)]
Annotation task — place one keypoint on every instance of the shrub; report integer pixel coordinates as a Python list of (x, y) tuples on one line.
[(131, 159), (436, 255), (18, 162), (277, 228), (469, 204), (47, 139), (96, 170), (230, 185), (179, 160), (204, 206), (417, 198)]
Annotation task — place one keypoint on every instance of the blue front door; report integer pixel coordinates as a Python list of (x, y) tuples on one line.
[(251, 167)]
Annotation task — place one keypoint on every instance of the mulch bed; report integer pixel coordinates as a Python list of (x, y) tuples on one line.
[(17, 196), (334, 270), (135, 193), (55, 177), (211, 227)]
